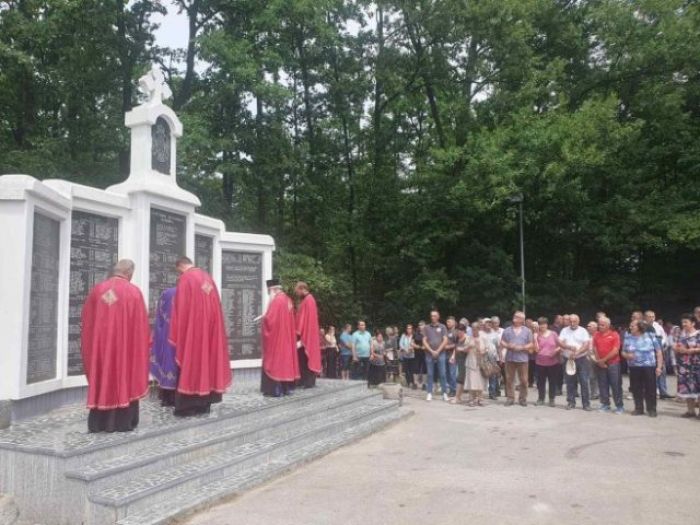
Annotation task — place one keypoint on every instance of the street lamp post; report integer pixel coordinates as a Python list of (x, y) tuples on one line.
[(519, 199)]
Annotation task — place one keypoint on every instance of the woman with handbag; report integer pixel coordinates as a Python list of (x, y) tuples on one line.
[(547, 361), (474, 380), (464, 344), (377, 364)]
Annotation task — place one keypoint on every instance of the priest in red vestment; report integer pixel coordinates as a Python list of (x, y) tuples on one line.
[(115, 350), (308, 336), (198, 334), (279, 357)]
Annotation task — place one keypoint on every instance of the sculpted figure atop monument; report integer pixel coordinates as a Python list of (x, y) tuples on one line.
[(153, 85)]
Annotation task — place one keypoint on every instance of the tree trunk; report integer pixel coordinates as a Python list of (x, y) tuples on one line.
[(258, 164), (427, 80), (350, 172), (185, 91), (127, 89)]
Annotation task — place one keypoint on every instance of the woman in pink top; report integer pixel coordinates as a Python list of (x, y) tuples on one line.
[(547, 361)]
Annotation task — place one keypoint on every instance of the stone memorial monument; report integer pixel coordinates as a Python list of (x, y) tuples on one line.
[(59, 238)]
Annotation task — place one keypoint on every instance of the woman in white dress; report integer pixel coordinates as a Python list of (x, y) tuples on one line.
[(474, 381)]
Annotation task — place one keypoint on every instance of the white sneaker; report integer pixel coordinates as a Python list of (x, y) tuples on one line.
[(445, 397), (429, 397)]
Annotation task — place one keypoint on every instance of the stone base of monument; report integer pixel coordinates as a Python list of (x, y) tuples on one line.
[(59, 474), (392, 391)]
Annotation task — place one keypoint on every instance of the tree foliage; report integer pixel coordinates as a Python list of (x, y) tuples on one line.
[(379, 142)]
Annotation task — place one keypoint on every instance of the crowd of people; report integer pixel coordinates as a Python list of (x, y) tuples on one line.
[(483, 357), (187, 353)]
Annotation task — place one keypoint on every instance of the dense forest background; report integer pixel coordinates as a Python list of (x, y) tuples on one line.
[(381, 143)]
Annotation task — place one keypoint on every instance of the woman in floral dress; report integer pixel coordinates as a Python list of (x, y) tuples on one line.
[(688, 361)]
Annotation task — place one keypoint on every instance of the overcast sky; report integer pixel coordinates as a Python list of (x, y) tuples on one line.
[(173, 31)]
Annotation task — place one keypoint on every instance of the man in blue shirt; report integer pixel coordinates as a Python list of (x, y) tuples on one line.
[(361, 343), (345, 344), (434, 343), (518, 341)]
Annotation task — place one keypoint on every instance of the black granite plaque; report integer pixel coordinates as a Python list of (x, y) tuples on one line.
[(241, 294), (94, 245), (167, 244), (43, 300), (160, 146), (203, 252)]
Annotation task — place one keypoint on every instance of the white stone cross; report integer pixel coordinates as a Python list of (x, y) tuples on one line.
[(153, 85)]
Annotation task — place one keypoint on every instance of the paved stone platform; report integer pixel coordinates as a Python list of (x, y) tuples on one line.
[(455, 465), (133, 478)]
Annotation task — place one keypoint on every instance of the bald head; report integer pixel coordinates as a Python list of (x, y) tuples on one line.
[(124, 268)]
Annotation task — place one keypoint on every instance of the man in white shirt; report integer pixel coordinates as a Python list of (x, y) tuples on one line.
[(498, 333), (576, 343), (491, 341), (660, 333)]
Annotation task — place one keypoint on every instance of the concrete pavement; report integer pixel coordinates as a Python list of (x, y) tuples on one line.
[(502, 465)]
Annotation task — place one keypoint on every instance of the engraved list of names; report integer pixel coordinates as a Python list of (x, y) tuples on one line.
[(167, 244), (203, 252), (241, 294), (94, 245), (43, 300)]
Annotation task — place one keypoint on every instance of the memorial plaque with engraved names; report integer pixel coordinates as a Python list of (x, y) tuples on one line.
[(43, 300), (241, 295), (160, 146), (203, 252), (167, 245), (94, 245)]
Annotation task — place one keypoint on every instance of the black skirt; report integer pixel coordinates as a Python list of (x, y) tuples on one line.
[(115, 420), (376, 374), (271, 388), (308, 378), (331, 362), (166, 397), (461, 359), (190, 405)]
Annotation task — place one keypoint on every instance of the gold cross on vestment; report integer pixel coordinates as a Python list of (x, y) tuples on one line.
[(109, 297)]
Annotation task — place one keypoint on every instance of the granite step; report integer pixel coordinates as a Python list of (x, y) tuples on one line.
[(235, 484), (175, 451), (64, 434), (169, 484)]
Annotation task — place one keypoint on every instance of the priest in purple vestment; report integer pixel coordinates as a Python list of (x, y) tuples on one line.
[(163, 366)]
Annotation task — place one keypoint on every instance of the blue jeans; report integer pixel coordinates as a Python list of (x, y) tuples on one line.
[(609, 378), (451, 376), (583, 373), (661, 380), (345, 361), (442, 370), (493, 385)]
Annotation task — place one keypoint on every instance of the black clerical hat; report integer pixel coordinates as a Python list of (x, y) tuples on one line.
[(273, 282)]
